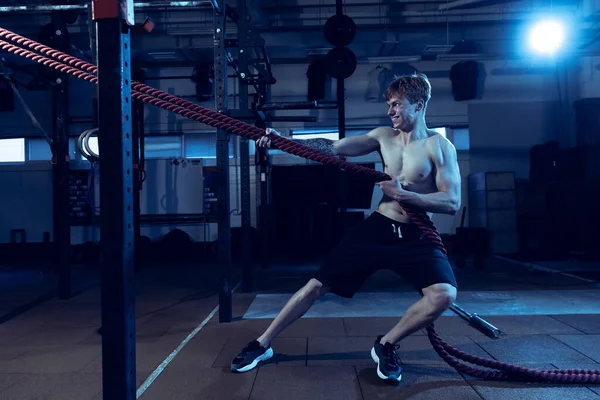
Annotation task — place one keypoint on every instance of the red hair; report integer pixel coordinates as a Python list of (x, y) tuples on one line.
[(413, 87)]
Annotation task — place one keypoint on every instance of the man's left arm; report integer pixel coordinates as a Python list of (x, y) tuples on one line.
[(447, 179)]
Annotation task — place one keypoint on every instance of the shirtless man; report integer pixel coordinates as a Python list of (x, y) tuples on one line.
[(425, 174)]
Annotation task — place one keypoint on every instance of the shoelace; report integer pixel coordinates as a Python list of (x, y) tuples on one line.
[(391, 357), (249, 347)]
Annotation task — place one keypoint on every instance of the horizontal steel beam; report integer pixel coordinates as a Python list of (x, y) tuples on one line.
[(83, 7), (299, 118), (460, 3)]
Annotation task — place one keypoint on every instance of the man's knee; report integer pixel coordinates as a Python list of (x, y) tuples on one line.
[(314, 289), (441, 295)]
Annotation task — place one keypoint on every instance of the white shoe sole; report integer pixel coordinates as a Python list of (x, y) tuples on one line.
[(379, 373), (267, 354)]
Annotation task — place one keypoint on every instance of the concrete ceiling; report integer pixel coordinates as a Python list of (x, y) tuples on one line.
[(293, 29)]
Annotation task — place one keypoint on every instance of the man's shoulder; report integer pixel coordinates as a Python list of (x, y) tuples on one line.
[(382, 131), (437, 140), (439, 147)]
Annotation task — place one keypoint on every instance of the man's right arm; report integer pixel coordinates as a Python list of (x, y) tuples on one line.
[(323, 145), (347, 147)]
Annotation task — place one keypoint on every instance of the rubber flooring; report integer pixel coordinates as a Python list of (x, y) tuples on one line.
[(50, 348)]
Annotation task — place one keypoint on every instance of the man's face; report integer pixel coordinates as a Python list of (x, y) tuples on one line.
[(402, 113)]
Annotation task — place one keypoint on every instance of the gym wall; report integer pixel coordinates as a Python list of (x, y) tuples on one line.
[(513, 93)]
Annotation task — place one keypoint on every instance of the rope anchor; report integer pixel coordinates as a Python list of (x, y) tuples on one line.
[(83, 70)]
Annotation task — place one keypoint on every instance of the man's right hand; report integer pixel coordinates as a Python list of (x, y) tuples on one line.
[(265, 141)]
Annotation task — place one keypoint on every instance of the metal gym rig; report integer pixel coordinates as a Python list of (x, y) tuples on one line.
[(114, 19)]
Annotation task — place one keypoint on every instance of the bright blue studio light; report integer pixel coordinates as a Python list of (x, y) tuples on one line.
[(547, 37)]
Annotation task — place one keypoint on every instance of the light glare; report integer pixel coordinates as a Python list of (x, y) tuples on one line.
[(546, 37)]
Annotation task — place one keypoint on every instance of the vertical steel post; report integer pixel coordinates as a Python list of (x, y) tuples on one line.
[(137, 179), (137, 144), (243, 49), (341, 106), (223, 201), (263, 177), (343, 182), (116, 199), (60, 171)]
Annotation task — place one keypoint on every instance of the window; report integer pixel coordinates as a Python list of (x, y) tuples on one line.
[(204, 145), (12, 150), (39, 150), (163, 146), (332, 134), (460, 138), (155, 146), (441, 130), (93, 144)]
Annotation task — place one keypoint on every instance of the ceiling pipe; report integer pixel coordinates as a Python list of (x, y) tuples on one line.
[(464, 3)]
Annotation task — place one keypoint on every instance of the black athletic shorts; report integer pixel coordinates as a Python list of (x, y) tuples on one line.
[(379, 242)]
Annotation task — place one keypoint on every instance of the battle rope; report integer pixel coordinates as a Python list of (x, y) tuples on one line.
[(83, 70)]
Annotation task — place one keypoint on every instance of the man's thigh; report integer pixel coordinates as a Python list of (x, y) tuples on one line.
[(423, 266), (357, 256), (346, 269)]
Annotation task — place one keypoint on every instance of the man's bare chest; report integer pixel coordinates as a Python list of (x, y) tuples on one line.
[(410, 163)]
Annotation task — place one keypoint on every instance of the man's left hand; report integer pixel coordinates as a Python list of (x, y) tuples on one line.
[(393, 189)]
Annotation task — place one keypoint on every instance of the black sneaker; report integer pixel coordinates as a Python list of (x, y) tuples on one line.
[(250, 356), (388, 361)]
